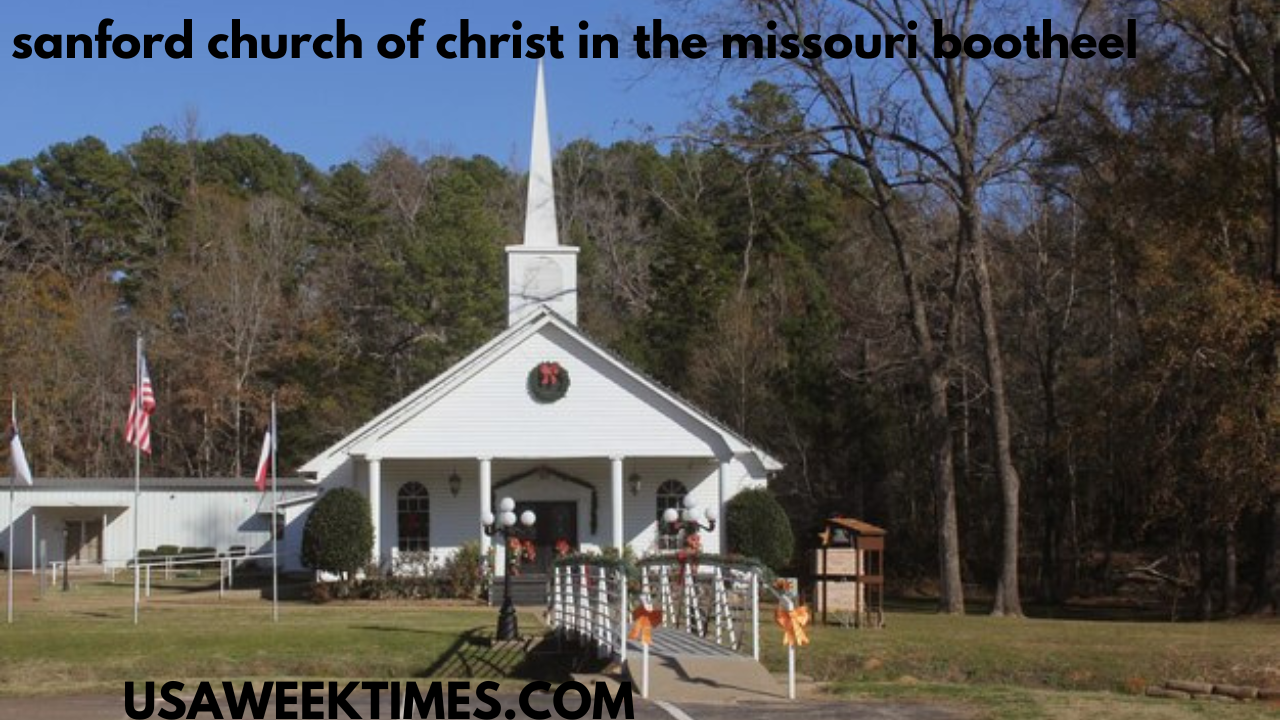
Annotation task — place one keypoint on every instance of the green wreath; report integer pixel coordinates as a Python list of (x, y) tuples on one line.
[(548, 381)]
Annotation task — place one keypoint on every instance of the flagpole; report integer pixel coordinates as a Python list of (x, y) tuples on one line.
[(13, 414), (275, 583), (137, 476)]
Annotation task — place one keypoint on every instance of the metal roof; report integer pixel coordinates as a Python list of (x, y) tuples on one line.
[(153, 483), (858, 526)]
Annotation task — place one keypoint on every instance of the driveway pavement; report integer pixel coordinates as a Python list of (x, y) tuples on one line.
[(112, 708)]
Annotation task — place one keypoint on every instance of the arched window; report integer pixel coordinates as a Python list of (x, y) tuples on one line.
[(670, 495), (413, 515)]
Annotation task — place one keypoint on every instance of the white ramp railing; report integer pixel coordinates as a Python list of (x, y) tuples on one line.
[(589, 605), (590, 601)]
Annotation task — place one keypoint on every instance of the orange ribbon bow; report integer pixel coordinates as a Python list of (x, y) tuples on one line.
[(793, 623), (643, 622)]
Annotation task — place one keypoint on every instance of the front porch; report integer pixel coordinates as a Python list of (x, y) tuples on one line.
[(434, 506)]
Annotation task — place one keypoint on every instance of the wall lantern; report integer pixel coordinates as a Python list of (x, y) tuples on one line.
[(634, 482), (455, 483)]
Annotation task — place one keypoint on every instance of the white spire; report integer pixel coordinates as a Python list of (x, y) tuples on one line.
[(540, 214), (540, 271)]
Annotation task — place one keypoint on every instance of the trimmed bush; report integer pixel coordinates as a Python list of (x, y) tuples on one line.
[(758, 528), (338, 536), (463, 573)]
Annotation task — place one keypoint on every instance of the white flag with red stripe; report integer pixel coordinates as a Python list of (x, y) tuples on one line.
[(264, 462), (17, 456), (141, 405)]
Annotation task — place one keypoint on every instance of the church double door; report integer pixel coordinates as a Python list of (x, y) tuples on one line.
[(557, 521)]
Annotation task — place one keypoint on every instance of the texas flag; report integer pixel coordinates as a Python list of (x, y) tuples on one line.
[(264, 462)]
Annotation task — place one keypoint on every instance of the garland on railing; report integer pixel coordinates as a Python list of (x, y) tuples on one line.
[(596, 560), (729, 561)]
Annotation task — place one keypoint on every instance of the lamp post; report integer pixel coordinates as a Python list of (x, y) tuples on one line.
[(686, 519), (502, 525)]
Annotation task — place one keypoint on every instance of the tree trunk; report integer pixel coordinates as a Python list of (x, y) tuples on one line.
[(1270, 590), (1008, 602), (950, 587), (1205, 557), (1273, 122), (1230, 572), (1052, 474)]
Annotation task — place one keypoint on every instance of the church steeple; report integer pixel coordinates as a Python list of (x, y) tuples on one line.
[(540, 214), (541, 271)]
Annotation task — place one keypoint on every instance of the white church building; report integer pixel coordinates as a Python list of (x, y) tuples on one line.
[(541, 414), (597, 453)]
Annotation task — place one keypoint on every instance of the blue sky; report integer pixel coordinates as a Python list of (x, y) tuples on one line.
[(336, 110)]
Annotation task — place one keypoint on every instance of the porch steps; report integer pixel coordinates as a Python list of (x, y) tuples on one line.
[(526, 590)]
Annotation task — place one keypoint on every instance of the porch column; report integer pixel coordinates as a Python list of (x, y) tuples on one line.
[(486, 503), (722, 494), (375, 504), (615, 496)]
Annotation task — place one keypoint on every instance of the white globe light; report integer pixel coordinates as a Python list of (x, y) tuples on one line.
[(508, 519), (687, 502), (712, 514), (486, 518), (527, 518), (670, 515), (507, 505), (687, 515)]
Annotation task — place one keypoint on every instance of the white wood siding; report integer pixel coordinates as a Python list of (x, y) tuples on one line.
[(182, 517), (605, 412)]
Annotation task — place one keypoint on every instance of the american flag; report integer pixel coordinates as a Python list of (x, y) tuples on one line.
[(138, 432)]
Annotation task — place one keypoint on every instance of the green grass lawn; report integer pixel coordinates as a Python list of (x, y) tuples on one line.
[(1004, 702), (1038, 668), (1056, 654), (85, 641)]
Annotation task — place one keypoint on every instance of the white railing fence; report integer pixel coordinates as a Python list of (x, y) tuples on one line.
[(589, 603), (168, 566)]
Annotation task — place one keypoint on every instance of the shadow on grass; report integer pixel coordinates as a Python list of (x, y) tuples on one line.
[(475, 655)]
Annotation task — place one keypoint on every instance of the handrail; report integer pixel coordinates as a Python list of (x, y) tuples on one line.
[(226, 567), (721, 603)]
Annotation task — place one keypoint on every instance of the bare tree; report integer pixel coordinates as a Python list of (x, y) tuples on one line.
[(952, 128)]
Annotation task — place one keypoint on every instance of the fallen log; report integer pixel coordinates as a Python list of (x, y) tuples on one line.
[(1239, 692), (1162, 692), (1190, 686)]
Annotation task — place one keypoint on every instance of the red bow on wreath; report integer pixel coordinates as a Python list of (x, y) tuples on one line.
[(548, 374)]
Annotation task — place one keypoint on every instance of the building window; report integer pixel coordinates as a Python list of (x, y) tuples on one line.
[(670, 495), (413, 515)]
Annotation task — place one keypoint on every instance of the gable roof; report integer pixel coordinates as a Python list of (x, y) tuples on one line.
[(419, 401)]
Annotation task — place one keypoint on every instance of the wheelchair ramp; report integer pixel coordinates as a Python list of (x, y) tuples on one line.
[(684, 667)]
